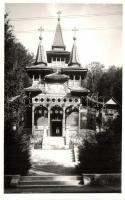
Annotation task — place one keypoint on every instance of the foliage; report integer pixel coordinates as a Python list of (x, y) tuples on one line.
[(17, 156), (106, 83), (110, 84), (95, 71), (104, 156), (16, 59)]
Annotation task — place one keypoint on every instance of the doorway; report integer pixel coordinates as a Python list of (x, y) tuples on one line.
[(56, 128), (56, 121)]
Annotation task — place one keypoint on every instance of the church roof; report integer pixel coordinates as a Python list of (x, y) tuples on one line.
[(58, 43), (75, 70), (80, 90), (74, 59), (32, 88), (111, 101), (40, 57), (56, 78)]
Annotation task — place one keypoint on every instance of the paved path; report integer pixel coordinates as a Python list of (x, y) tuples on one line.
[(52, 168), (55, 168)]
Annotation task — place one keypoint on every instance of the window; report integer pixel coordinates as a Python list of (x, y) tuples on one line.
[(70, 100), (64, 100), (36, 77), (47, 99), (77, 77), (36, 99)]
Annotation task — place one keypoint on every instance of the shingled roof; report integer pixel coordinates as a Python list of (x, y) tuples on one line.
[(56, 77), (74, 59), (40, 57), (58, 39)]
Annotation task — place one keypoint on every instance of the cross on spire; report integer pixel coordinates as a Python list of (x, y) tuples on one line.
[(75, 30), (40, 30), (59, 13)]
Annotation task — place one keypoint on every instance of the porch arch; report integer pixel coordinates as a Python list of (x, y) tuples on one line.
[(56, 116), (40, 116)]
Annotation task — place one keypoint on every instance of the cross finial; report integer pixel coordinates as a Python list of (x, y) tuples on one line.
[(40, 30), (74, 29), (59, 13)]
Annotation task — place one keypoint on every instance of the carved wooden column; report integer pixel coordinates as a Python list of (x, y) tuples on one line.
[(33, 78), (39, 78), (48, 121), (32, 120), (74, 81), (79, 120), (64, 121), (80, 80)]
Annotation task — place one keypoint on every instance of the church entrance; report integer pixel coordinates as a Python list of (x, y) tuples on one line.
[(56, 121), (56, 129)]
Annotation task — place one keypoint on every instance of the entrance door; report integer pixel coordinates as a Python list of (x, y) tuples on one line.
[(56, 128)]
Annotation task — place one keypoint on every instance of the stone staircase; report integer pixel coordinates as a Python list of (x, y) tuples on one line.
[(54, 143), (59, 156), (55, 182), (53, 168)]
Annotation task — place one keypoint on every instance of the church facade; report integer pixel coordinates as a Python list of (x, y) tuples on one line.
[(57, 92)]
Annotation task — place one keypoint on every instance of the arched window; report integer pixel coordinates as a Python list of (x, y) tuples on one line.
[(72, 116), (40, 116)]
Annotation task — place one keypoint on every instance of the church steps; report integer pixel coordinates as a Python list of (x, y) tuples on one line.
[(53, 155), (49, 181), (50, 177), (53, 143)]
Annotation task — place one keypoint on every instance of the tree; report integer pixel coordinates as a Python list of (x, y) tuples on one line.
[(95, 71), (110, 84), (103, 156), (106, 83), (15, 146)]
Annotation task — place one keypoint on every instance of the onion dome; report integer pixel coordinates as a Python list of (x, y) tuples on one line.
[(56, 78)]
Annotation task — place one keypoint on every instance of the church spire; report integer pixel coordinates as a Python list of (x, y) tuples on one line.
[(74, 59), (40, 57), (58, 43)]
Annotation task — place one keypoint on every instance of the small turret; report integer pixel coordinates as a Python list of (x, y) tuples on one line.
[(40, 57), (74, 59)]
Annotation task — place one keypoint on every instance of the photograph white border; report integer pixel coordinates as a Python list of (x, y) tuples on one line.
[(53, 196)]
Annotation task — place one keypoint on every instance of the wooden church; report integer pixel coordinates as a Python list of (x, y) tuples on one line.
[(57, 94)]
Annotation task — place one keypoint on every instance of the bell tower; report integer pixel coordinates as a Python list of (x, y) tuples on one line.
[(58, 57)]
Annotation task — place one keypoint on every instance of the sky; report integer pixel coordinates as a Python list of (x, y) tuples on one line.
[(99, 35)]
